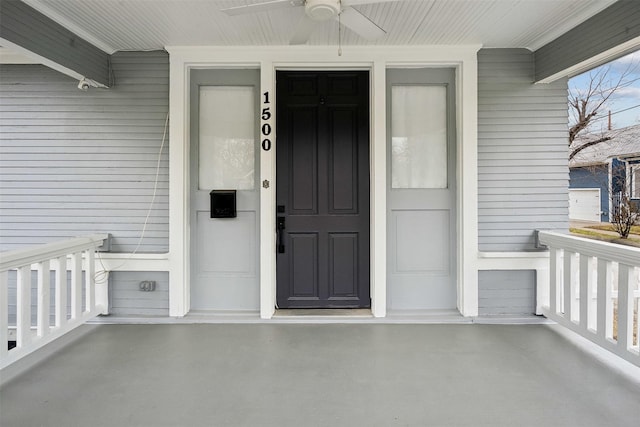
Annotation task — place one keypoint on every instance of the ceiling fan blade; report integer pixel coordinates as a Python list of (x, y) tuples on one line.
[(346, 3), (303, 31), (360, 24), (262, 7)]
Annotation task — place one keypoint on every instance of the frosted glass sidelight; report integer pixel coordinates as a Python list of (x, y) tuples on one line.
[(418, 136), (227, 138)]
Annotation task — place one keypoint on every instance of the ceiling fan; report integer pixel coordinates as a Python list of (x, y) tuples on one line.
[(317, 12)]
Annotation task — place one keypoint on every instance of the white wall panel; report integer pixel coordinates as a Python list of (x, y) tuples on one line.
[(522, 152), (78, 162)]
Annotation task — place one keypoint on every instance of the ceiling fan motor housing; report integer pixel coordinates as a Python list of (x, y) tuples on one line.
[(322, 10)]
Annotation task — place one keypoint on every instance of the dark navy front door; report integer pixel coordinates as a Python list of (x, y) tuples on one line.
[(323, 189)]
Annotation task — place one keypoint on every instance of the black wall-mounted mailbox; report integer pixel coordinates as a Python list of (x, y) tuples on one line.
[(223, 203)]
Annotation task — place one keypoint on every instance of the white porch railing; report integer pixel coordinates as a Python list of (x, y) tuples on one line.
[(594, 290), (64, 258)]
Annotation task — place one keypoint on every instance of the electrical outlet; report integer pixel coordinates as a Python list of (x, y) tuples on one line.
[(148, 285)]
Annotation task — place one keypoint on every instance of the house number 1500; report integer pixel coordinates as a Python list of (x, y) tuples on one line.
[(266, 127)]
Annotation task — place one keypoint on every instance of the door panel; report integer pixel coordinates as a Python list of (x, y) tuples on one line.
[(304, 265), (214, 252), (323, 189), (303, 161), (224, 251), (343, 162), (424, 227), (343, 263), (421, 195)]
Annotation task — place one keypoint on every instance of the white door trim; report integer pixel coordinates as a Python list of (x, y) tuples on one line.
[(376, 59)]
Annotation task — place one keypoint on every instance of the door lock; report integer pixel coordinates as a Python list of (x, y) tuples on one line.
[(281, 228)]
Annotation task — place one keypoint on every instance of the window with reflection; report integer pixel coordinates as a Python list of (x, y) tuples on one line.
[(227, 138), (418, 136)]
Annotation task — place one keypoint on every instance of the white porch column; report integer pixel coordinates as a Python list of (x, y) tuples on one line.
[(268, 202), (379, 190), (467, 194), (178, 186)]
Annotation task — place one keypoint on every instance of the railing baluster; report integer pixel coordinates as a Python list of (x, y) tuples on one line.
[(90, 280), (23, 306), (567, 284), (583, 291), (609, 302), (76, 285), (575, 283), (603, 297), (635, 299), (592, 304), (553, 280), (624, 308), (61, 292), (44, 302), (4, 313)]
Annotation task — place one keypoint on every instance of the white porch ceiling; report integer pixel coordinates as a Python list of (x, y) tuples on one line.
[(114, 25)]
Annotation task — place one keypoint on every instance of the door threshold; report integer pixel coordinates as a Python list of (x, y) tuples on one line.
[(330, 313)]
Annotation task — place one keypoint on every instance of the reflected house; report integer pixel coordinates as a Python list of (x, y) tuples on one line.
[(604, 170)]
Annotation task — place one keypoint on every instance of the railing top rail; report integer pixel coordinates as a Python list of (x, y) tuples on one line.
[(603, 250), (28, 256)]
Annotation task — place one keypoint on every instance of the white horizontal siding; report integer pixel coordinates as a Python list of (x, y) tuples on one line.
[(126, 298), (74, 162), (506, 292), (522, 152)]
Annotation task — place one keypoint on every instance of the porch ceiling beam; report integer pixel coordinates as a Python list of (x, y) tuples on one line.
[(604, 37), (29, 32)]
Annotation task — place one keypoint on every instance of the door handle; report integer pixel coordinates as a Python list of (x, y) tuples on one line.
[(281, 234)]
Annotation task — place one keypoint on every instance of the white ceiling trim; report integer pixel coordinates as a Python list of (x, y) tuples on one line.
[(9, 56), (572, 22), (309, 56), (142, 25)]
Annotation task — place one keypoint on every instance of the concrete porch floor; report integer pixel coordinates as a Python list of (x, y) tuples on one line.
[(320, 375)]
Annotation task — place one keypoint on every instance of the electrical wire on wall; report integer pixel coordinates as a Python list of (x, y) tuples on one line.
[(339, 34), (103, 275)]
